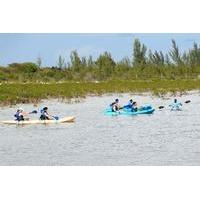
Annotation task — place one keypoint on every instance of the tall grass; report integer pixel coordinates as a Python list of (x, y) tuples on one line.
[(34, 92)]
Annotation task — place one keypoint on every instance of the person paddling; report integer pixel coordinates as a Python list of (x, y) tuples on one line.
[(134, 107), (20, 114), (115, 105), (176, 102), (176, 105), (129, 105), (45, 114)]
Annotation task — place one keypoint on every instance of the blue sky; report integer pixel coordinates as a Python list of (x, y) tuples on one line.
[(21, 47)]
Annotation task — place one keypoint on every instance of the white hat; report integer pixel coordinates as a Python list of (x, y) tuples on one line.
[(20, 109)]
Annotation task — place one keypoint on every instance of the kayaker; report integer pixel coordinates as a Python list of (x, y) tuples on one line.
[(176, 102), (129, 105), (20, 114), (134, 107), (45, 114), (176, 105), (115, 105)]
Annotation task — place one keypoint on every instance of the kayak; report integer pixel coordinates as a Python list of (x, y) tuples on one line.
[(143, 110), (37, 121), (176, 109)]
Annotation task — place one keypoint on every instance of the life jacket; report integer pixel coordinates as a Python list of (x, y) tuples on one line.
[(176, 105), (129, 105), (44, 115), (18, 116), (43, 112)]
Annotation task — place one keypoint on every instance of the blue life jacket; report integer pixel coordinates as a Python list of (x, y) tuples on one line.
[(43, 112), (176, 105), (129, 105), (18, 116)]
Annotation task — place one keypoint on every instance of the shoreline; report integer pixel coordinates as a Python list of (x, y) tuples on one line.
[(23, 93)]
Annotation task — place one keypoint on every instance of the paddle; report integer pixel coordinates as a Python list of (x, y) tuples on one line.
[(56, 117), (188, 101), (161, 107), (33, 112)]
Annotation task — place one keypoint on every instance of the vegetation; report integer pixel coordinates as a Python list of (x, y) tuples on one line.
[(34, 92), (146, 71)]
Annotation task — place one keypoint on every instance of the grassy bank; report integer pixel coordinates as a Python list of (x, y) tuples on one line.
[(13, 93)]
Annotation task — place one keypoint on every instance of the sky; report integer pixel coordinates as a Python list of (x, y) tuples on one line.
[(26, 47)]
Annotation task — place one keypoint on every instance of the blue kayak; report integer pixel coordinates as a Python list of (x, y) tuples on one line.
[(147, 109)]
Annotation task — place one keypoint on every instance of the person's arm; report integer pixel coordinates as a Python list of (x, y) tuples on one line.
[(25, 113), (49, 115)]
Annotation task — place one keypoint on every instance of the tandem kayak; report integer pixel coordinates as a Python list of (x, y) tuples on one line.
[(54, 121), (143, 110)]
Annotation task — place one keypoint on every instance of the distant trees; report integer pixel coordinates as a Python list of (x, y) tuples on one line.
[(139, 53), (61, 62), (156, 58), (26, 67), (144, 64), (39, 61), (75, 61), (90, 61), (105, 64), (175, 54), (193, 57), (173, 58)]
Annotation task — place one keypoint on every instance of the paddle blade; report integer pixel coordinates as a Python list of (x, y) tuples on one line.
[(188, 101), (56, 117), (161, 107), (33, 112)]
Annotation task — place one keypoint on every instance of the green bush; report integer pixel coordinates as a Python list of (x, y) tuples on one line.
[(26, 67)]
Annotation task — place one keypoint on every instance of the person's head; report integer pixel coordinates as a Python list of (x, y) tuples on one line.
[(20, 110), (45, 108), (116, 100), (175, 100), (131, 100)]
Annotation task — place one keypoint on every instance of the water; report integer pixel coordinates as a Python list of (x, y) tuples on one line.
[(163, 138)]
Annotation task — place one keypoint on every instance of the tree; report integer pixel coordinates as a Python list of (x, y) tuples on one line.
[(194, 55), (125, 62), (167, 60), (61, 62), (83, 62), (26, 67), (185, 58), (105, 64), (39, 61), (156, 58), (90, 61), (175, 54), (139, 53), (75, 61)]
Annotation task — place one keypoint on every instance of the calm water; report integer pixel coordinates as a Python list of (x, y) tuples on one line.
[(163, 138)]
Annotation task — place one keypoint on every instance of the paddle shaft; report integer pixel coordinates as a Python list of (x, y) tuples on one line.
[(161, 107)]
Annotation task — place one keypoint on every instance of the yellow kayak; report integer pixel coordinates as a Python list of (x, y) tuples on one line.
[(37, 121)]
